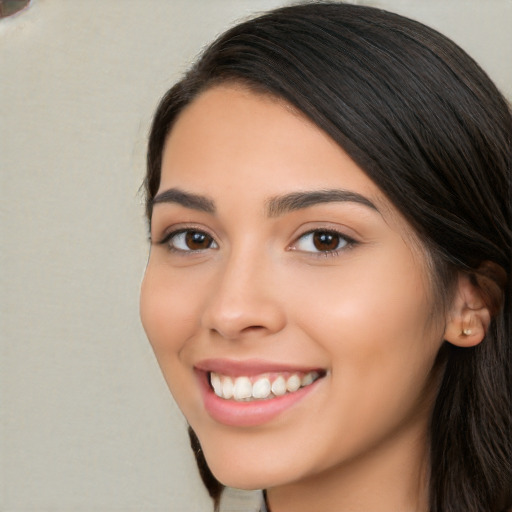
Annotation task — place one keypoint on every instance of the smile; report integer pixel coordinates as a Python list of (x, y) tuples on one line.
[(260, 387), (253, 392)]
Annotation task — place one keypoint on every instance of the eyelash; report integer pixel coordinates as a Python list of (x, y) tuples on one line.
[(349, 242), (168, 239)]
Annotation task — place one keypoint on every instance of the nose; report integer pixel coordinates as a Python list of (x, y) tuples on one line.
[(245, 299)]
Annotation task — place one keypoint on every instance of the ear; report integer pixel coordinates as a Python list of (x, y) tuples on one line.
[(469, 317)]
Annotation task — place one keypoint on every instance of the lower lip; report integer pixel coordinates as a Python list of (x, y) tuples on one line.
[(248, 414)]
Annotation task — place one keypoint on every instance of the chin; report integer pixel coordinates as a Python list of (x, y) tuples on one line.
[(244, 482), (248, 471), (250, 480)]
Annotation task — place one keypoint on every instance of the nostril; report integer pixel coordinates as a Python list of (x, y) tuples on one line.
[(253, 328)]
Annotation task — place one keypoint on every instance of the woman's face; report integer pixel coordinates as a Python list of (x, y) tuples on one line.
[(277, 264)]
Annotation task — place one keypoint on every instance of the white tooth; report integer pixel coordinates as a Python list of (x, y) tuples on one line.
[(261, 388), (307, 379), (243, 388), (216, 384), (293, 383), (279, 386), (227, 388)]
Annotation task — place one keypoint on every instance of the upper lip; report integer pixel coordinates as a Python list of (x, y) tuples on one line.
[(250, 367)]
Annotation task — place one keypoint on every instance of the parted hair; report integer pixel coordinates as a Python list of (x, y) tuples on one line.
[(429, 127)]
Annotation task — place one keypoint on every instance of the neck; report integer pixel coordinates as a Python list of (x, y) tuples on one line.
[(390, 478)]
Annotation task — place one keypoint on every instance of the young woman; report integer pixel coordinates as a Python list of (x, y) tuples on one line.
[(328, 292)]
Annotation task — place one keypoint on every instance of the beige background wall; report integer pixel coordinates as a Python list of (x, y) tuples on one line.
[(87, 423)]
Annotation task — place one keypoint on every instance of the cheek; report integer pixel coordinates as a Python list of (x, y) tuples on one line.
[(169, 313), (375, 302), (374, 322), (167, 310)]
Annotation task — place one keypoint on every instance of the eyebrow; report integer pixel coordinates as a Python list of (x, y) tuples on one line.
[(298, 200), (186, 199), (275, 206)]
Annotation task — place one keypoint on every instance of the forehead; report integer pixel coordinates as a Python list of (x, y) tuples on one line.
[(232, 134)]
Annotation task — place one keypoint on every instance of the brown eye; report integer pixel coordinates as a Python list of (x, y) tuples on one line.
[(325, 241), (190, 241), (320, 241), (195, 240)]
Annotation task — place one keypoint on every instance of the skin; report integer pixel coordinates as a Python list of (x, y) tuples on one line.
[(263, 291)]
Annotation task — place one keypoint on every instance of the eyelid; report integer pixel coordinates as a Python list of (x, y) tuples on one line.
[(172, 229), (350, 241), (176, 230)]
